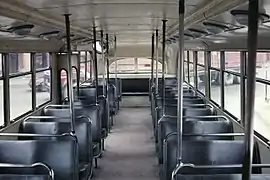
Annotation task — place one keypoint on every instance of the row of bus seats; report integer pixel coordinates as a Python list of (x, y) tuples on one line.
[(46, 147), (206, 142)]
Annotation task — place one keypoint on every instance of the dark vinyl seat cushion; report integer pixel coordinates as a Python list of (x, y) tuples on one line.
[(52, 127), (104, 114), (36, 171), (112, 98), (91, 111), (221, 177), (59, 154), (187, 111), (23, 177), (203, 152), (168, 125)]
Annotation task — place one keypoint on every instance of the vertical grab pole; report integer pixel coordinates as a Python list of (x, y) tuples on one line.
[(253, 14), (152, 61), (104, 63), (95, 62), (156, 62), (69, 75), (180, 88), (85, 66), (115, 73), (107, 62), (180, 80), (163, 64)]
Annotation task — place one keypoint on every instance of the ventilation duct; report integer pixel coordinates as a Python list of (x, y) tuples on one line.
[(50, 35), (214, 27), (242, 17), (21, 30)]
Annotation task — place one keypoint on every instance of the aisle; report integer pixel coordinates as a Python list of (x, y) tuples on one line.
[(129, 153)]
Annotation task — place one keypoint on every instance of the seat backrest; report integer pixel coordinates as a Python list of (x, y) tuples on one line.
[(91, 111), (221, 177), (23, 177), (37, 171), (203, 152), (118, 84), (61, 155), (112, 96), (168, 125), (103, 103), (189, 110), (52, 127), (89, 92)]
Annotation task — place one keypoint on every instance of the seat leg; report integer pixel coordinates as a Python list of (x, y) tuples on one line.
[(103, 144), (96, 163), (112, 120)]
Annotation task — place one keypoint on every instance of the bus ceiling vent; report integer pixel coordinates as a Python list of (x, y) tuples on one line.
[(215, 28), (188, 36), (197, 33), (50, 35), (22, 30), (241, 17)]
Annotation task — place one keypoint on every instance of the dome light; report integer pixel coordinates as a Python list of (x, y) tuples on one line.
[(242, 17)]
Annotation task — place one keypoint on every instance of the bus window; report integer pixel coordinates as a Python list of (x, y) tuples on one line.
[(20, 96), (262, 66), (64, 91), (19, 63), (232, 61), (232, 98), (261, 109), (43, 87), (1, 103), (201, 57)]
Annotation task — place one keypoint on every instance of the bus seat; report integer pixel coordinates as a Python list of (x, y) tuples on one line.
[(52, 127), (60, 154)]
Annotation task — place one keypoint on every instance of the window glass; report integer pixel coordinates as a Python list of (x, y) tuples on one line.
[(261, 108), (191, 58), (20, 96), (124, 65), (201, 57), (186, 71), (1, 74), (232, 61), (262, 65), (191, 74), (19, 63), (201, 78), (144, 65), (185, 56), (131, 65), (1, 103), (64, 91), (42, 60), (232, 98), (215, 59), (215, 86), (43, 87)]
